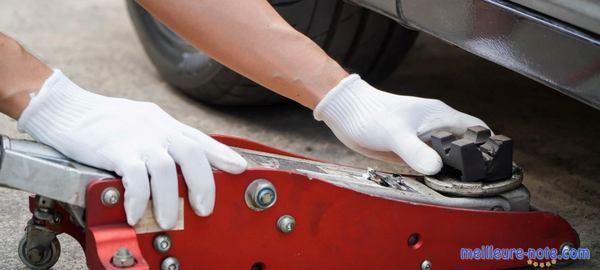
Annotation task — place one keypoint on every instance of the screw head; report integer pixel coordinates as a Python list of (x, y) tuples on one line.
[(162, 243), (169, 263), (110, 196), (260, 195), (566, 247), (286, 224), (426, 265), (56, 219), (123, 258), (265, 197)]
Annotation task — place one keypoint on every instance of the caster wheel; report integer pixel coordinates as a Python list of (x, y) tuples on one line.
[(39, 258)]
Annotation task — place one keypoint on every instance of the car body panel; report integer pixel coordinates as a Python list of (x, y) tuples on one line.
[(551, 51), (580, 13)]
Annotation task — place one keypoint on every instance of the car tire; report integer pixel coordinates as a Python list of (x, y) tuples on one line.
[(363, 41)]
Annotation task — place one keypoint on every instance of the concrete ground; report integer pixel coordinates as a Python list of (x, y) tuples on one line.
[(94, 43)]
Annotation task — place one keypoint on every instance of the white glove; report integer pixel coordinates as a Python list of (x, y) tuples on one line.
[(387, 126), (137, 140)]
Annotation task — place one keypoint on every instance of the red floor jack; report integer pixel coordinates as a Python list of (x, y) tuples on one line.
[(291, 212)]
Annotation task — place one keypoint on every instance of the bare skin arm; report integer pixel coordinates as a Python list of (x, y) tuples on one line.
[(251, 38), (20, 74), (247, 36)]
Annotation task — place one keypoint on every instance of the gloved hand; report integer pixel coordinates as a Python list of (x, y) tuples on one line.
[(137, 140), (387, 126)]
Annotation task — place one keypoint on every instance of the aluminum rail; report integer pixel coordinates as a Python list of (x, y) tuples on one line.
[(36, 168)]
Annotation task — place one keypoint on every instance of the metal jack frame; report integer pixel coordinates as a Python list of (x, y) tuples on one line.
[(285, 212)]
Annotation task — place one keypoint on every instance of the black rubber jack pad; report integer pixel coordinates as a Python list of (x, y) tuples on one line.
[(478, 156)]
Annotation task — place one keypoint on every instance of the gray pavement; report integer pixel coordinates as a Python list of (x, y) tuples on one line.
[(94, 43)]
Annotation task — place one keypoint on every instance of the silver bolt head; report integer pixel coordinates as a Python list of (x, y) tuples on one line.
[(426, 265), (56, 219), (566, 247), (162, 243), (286, 224), (123, 258), (260, 195), (110, 196), (169, 263), (266, 196)]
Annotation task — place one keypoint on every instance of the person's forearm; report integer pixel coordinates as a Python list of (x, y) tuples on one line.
[(251, 38), (20, 75)]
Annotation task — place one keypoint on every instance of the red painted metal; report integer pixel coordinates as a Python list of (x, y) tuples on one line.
[(336, 228), (107, 229), (103, 241)]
